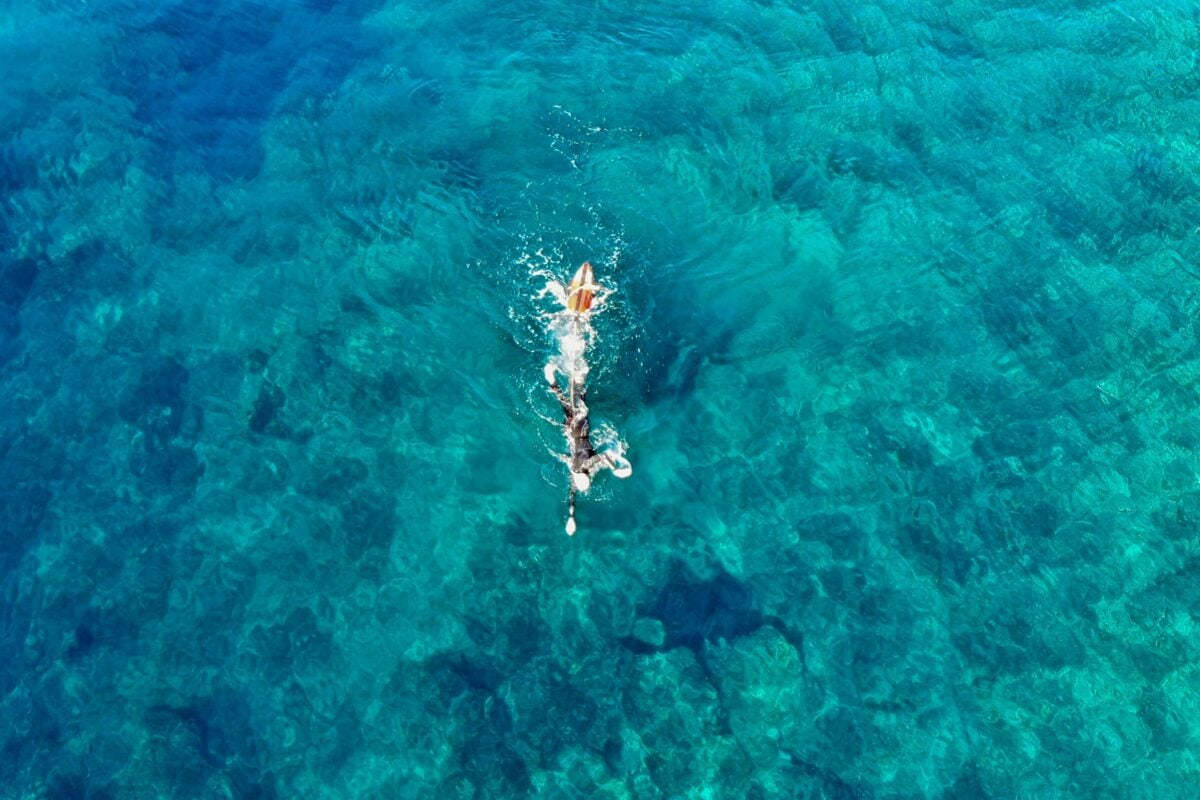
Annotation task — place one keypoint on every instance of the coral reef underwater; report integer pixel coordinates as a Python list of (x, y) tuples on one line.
[(904, 348)]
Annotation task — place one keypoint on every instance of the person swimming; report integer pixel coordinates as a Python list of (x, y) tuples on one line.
[(585, 460)]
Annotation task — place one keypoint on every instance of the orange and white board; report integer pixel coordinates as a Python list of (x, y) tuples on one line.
[(582, 289)]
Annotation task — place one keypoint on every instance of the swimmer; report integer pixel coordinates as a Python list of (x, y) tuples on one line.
[(585, 461)]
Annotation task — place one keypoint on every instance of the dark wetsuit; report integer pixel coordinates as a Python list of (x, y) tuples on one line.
[(583, 455)]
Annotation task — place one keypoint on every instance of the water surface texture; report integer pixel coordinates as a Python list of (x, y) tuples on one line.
[(902, 343)]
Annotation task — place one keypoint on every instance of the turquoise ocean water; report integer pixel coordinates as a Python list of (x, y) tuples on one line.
[(903, 347)]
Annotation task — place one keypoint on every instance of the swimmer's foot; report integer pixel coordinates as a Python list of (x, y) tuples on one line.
[(571, 514)]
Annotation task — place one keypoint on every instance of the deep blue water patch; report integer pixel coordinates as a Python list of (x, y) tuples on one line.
[(205, 77)]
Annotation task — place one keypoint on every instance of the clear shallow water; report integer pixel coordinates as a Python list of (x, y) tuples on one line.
[(903, 348)]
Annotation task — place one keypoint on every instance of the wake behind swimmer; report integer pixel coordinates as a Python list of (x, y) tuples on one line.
[(573, 334)]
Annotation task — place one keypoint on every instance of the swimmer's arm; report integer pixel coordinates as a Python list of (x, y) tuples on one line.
[(598, 461), (572, 410), (562, 399), (620, 467)]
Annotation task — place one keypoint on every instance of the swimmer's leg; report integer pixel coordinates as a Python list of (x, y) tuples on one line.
[(571, 512)]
